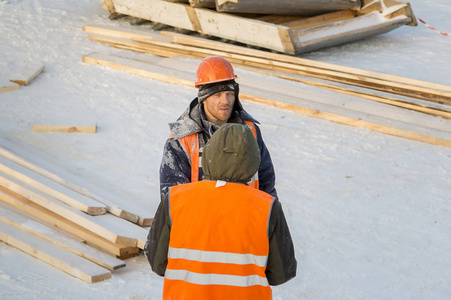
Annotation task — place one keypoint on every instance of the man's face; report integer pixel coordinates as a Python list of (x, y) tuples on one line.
[(218, 107)]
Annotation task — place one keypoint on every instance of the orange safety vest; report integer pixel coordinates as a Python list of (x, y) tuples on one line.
[(191, 145), (219, 243)]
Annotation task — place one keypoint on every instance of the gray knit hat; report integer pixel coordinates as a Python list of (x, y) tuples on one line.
[(232, 154), (207, 90)]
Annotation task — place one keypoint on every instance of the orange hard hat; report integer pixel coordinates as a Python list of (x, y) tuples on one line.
[(214, 69)]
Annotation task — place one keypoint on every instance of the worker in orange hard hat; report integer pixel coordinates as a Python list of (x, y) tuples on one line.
[(217, 103)]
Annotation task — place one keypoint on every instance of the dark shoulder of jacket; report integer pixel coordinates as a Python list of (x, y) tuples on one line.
[(244, 115)]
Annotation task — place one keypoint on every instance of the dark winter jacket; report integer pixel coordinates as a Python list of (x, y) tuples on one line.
[(175, 166), (229, 150)]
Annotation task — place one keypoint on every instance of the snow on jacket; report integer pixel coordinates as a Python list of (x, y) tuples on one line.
[(175, 165)]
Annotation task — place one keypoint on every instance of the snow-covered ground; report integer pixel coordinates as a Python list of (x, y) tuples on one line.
[(369, 213)]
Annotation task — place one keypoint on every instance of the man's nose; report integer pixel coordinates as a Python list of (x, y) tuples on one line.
[(224, 99)]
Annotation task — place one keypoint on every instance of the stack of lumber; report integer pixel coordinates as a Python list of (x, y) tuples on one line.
[(384, 103), (286, 26), (52, 220)]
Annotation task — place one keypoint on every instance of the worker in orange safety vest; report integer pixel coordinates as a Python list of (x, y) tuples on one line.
[(217, 103), (220, 238)]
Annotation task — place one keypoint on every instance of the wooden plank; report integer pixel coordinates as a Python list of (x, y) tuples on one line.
[(53, 255), (98, 225), (64, 128), (113, 208), (125, 34), (138, 68), (308, 111), (8, 86), (53, 219), (277, 19), (52, 188), (305, 23), (286, 7), (59, 238), (27, 73)]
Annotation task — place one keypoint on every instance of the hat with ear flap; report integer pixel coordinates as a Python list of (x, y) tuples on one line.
[(232, 154), (214, 75)]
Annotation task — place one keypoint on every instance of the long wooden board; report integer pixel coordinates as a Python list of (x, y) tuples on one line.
[(59, 238), (7, 86), (64, 128), (49, 187), (53, 219), (53, 255), (133, 67), (286, 7)]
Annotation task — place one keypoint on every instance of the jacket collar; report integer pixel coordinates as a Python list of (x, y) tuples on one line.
[(193, 120)]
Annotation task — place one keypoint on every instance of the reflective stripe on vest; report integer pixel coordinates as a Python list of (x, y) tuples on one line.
[(218, 249), (190, 144)]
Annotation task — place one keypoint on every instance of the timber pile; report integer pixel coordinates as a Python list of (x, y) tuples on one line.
[(287, 26), (384, 103), (52, 220)]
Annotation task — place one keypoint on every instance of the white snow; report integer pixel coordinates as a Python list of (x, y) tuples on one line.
[(369, 213)]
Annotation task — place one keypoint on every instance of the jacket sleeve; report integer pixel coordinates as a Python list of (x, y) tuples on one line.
[(282, 263), (157, 244), (175, 167), (266, 175)]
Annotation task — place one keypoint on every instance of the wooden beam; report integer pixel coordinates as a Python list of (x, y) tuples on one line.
[(53, 255), (64, 128), (125, 34), (138, 68), (27, 73), (59, 238), (52, 188), (53, 219), (8, 86)]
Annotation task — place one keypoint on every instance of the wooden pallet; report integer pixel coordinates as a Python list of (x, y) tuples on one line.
[(286, 35)]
